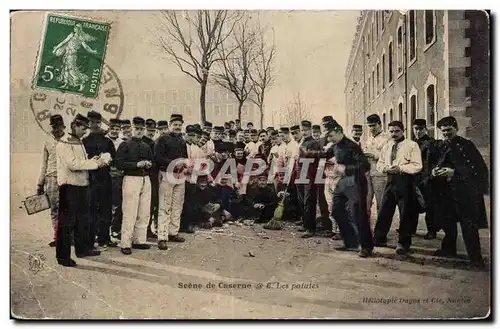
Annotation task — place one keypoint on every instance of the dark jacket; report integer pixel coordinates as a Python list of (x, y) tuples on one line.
[(130, 152), (426, 145), (95, 144), (151, 142), (264, 195), (463, 194), (206, 196), (224, 196), (349, 154), (169, 148), (310, 148)]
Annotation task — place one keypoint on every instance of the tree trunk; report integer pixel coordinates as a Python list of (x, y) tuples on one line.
[(240, 106), (261, 108), (203, 113)]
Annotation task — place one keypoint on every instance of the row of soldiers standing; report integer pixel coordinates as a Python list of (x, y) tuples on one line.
[(131, 198)]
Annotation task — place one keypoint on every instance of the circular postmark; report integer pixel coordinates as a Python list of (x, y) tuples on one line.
[(109, 102)]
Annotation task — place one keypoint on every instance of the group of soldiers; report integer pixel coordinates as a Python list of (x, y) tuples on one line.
[(123, 185)]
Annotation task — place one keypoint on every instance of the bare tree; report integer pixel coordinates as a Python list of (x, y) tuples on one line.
[(191, 40), (239, 55), (295, 111), (262, 74)]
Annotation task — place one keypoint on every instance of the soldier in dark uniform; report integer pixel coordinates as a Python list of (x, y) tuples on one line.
[(206, 211), (261, 200), (426, 144), (308, 193), (459, 179), (217, 137), (349, 196), (149, 138), (96, 144), (191, 138)]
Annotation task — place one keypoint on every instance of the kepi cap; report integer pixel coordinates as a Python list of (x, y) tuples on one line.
[(447, 121), (139, 122), (176, 117), (56, 120), (373, 119), (420, 122), (82, 120)]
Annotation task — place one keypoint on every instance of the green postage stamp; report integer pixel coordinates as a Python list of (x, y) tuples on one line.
[(71, 56)]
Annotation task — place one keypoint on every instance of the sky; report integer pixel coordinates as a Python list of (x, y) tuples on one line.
[(312, 50)]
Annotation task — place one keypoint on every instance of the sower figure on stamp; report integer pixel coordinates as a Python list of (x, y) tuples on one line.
[(97, 144), (135, 158), (459, 181), (401, 160), (47, 181), (169, 148), (73, 180), (116, 184), (426, 144), (349, 196), (149, 138), (372, 149)]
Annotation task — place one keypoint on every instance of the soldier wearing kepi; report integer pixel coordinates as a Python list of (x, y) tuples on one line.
[(97, 144), (316, 132), (374, 145), (308, 195), (169, 148), (459, 180), (426, 144), (135, 158), (209, 146), (149, 139), (194, 152), (401, 160), (116, 184), (357, 132), (162, 127), (47, 181), (73, 180), (126, 129), (351, 189)]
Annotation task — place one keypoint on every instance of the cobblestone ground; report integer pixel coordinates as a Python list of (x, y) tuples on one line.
[(241, 272)]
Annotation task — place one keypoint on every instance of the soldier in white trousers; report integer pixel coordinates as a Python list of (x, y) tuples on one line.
[(169, 148), (135, 158)]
